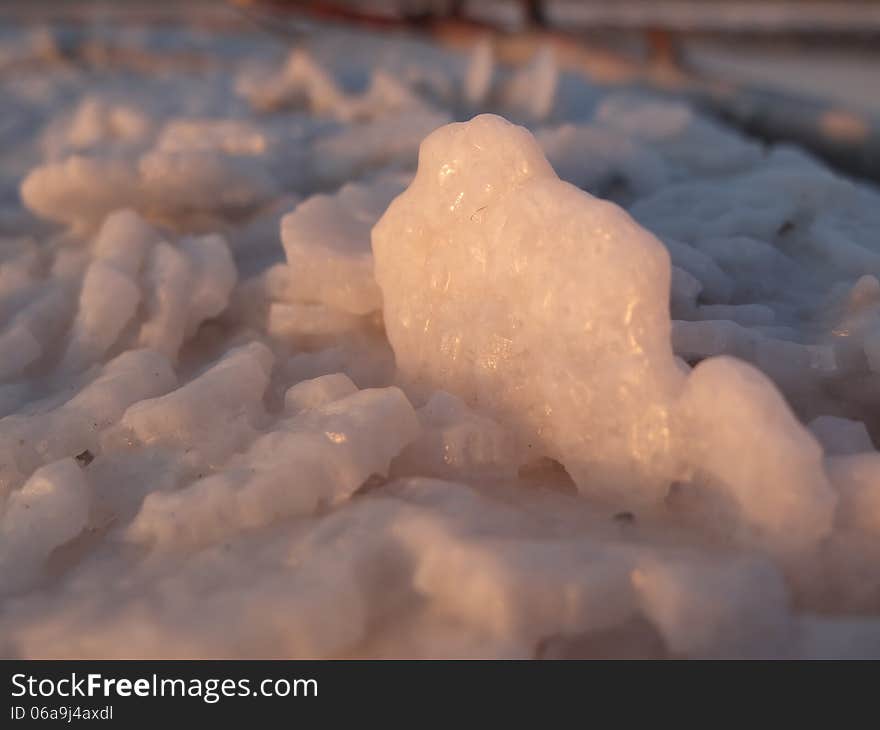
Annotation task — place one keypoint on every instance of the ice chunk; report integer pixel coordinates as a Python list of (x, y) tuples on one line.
[(302, 82), (478, 79), (29, 441), (716, 608), (367, 360), (230, 136), (55, 190), (784, 361), (51, 508), (533, 588), (167, 279), (43, 318), (327, 242), (523, 590), (317, 460), (317, 392), (126, 379), (781, 490), (717, 286), (123, 241), (684, 292), (456, 442), (180, 182), (542, 305), (548, 309), (213, 277), (108, 300), (215, 412), (370, 146), (529, 93), (188, 186), (300, 322), (186, 286)]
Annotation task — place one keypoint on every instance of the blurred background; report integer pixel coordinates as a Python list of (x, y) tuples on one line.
[(806, 71)]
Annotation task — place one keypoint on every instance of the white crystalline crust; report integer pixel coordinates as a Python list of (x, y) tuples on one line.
[(285, 372)]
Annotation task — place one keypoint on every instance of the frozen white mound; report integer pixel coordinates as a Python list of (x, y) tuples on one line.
[(549, 310), (327, 243), (290, 366)]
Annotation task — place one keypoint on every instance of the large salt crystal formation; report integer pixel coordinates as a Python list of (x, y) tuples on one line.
[(548, 309), (531, 299)]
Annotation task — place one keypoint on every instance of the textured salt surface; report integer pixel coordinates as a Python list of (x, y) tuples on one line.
[(292, 367)]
